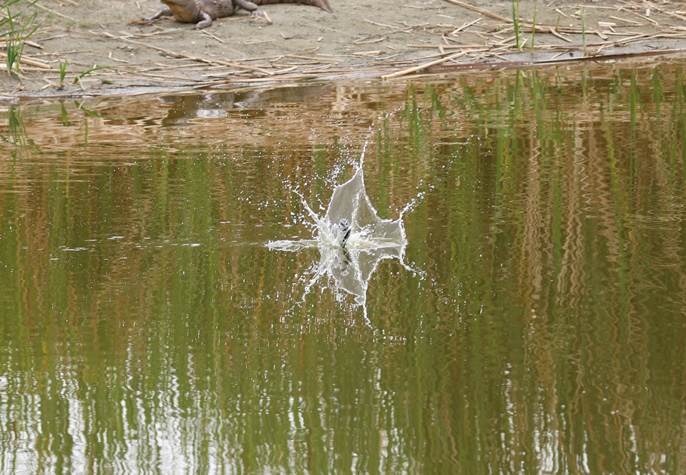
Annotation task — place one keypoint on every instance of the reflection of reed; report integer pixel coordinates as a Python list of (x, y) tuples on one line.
[(149, 324), (586, 226), (572, 278)]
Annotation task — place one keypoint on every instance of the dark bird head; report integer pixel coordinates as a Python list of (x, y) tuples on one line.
[(344, 227)]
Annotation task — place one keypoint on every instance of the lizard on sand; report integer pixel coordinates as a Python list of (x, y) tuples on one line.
[(202, 12)]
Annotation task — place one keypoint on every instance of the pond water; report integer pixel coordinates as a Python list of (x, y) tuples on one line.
[(534, 321)]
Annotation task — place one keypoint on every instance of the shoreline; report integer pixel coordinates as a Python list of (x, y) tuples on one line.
[(106, 50)]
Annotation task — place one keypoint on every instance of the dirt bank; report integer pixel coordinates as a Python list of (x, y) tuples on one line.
[(367, 38)]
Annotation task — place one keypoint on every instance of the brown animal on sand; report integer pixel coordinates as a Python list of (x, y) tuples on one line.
[(203, 12)]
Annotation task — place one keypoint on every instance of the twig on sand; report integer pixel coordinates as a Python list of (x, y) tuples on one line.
[(483, 11), (201, 59), (414, 69), (53, 12)]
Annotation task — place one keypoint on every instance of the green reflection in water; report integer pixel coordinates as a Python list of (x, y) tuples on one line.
[(146, 327)]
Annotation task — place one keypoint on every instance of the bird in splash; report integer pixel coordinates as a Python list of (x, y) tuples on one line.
[(344, 228)]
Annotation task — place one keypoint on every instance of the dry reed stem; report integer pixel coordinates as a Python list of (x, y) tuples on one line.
[(53, 12), (464, 27), (483, 11), (214, 37), (413, 69), (32, 62), (175, 54), (529, 63)]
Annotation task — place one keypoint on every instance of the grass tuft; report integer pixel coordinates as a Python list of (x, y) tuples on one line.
[(15, 31), (515, 23), (87, 72)]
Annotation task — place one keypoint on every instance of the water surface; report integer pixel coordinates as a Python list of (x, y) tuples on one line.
[(145, 326)]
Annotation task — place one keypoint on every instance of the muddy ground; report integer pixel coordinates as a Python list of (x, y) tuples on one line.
[(362, 38)]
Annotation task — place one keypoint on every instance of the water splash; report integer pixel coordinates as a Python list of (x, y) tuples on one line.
[(352, 239)]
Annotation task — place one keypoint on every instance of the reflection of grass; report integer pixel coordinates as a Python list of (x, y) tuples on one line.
[(524, 227), (64, 116), (16, 33), (17, 135), (16, 131)]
